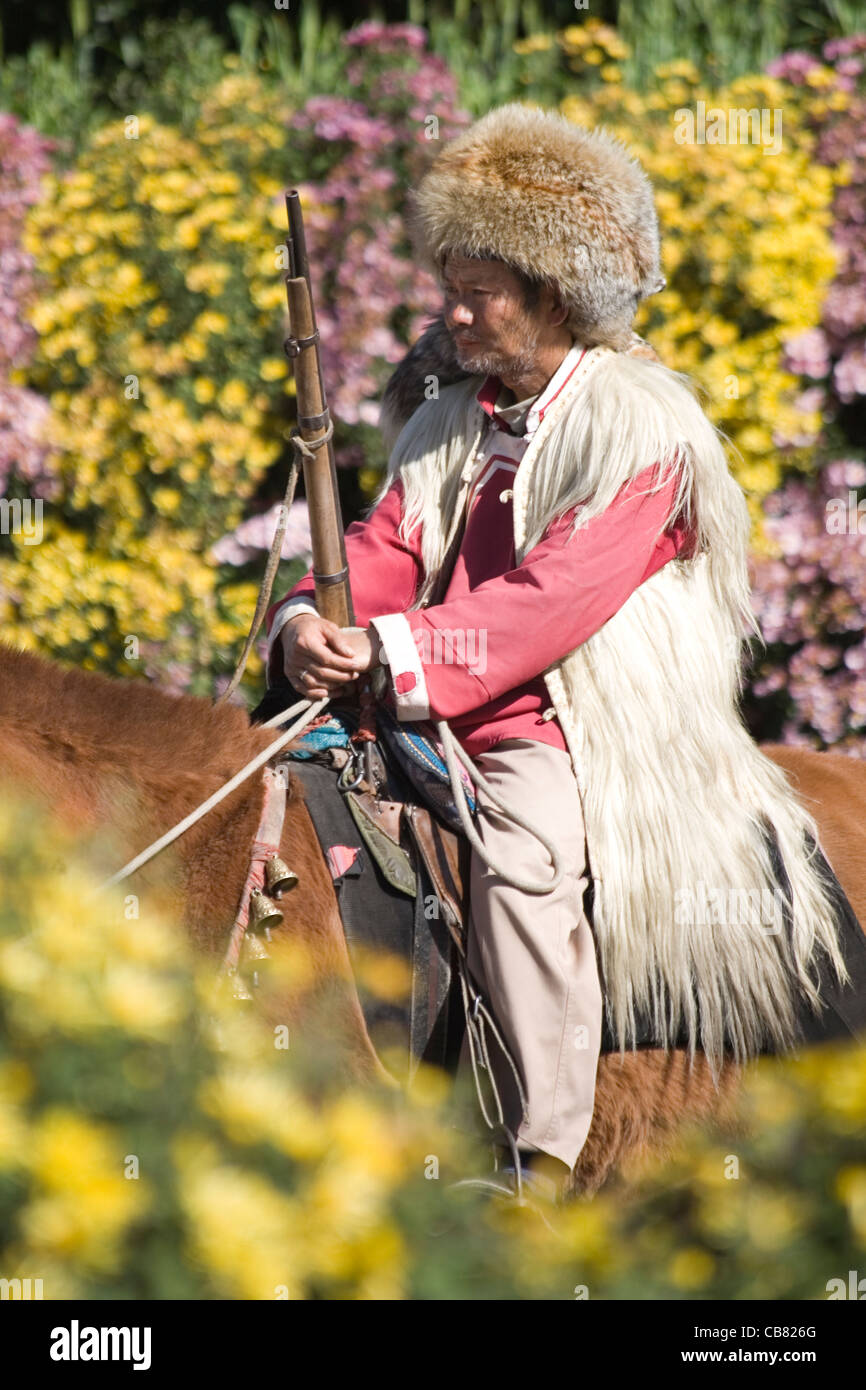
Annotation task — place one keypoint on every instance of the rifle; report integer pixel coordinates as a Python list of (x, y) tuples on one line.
[(315, 429), (313, 442)]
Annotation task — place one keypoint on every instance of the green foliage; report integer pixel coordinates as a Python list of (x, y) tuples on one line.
[(48, 90), (119, 57)]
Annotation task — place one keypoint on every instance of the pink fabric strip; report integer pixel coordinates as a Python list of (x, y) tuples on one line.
[(265, 844)]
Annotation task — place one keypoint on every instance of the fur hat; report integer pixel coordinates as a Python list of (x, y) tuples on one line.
[(563, 204), (530, 188)]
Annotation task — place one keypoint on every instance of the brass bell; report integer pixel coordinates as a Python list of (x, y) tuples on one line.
[(253, 949), (263, 914), (253, 953), (279, 878), (239, 988)]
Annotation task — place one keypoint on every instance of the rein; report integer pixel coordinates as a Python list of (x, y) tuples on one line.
[(310, 713)]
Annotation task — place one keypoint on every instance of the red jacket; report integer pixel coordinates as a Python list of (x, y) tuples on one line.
[(476, 659)]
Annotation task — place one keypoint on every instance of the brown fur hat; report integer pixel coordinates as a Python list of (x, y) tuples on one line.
[(563, 204)]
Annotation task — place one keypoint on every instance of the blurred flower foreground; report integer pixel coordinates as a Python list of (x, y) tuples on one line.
[(155, 1143)]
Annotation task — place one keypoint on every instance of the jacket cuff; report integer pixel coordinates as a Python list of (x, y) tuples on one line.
[(290, 609), (401, 653)]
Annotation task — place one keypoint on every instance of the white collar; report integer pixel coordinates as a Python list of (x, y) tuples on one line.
[(553, 388)]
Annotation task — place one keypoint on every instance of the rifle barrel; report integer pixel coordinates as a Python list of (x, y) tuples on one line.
[(298, 241), (333, 594)]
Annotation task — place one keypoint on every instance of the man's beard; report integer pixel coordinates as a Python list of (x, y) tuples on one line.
[(488, 361)]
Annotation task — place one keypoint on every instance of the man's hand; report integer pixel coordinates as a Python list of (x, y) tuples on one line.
[(321, 659)]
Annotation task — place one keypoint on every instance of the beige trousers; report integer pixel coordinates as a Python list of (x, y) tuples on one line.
[(533, 957)]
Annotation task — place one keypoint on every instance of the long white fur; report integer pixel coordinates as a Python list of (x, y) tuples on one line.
[(674, 789)]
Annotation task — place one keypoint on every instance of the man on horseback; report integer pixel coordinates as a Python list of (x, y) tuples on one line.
[(557, 565)]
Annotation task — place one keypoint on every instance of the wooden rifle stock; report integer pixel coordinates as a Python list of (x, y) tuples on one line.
[(330, 571)]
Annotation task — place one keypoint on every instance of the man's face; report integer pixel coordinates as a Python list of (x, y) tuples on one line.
[(493, 331)]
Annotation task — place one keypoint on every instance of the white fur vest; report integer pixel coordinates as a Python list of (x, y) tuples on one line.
[(688, 913)]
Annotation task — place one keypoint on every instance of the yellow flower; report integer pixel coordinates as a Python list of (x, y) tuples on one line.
[(575, 36), (691, 1268), (194, 347), (224, 183), (536, 43), (772, 1219), (244, 1230), (167, 499), (254, 1105), (187, 233), (208, 276), (821, 77), (233, 395), (210, 322), (140, 1002), (86, 1202), (204, 389)]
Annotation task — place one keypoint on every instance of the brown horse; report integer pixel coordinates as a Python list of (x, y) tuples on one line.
[(123, 759)]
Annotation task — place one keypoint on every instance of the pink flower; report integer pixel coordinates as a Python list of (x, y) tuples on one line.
[(24, 158), (808, 354), (792, 67), (388, 38), (256, 534), (845, 473), (849, 374)]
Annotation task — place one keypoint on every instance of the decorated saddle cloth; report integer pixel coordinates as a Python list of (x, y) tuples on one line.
[(413, 747)]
